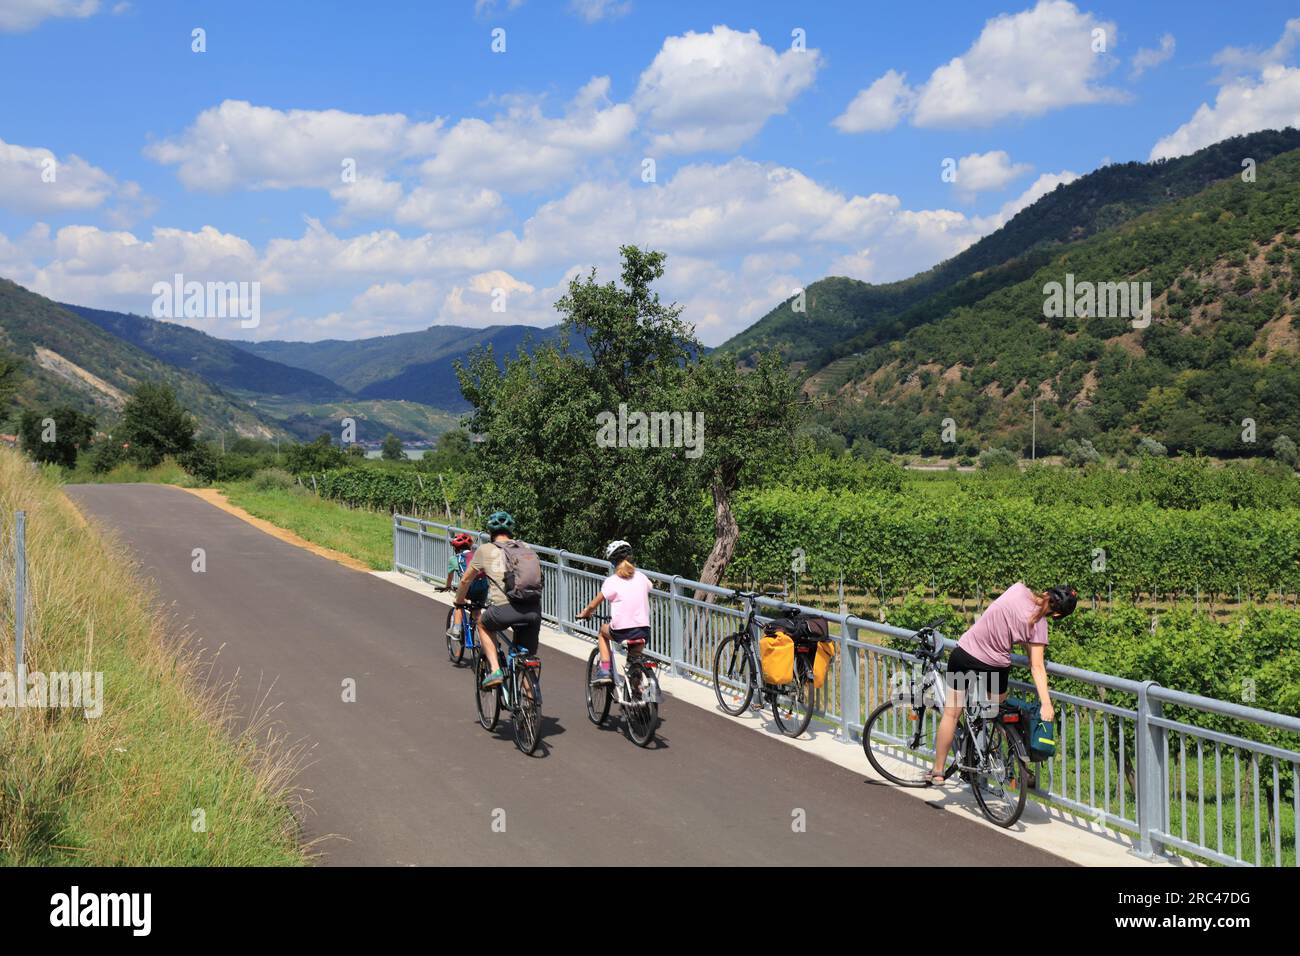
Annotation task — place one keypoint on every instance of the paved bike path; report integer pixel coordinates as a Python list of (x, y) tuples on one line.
[(404, 775)]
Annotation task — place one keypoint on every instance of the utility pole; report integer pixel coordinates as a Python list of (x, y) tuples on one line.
[(1033, 440)]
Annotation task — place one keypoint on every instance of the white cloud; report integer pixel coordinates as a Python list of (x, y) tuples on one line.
[(1245, 103), (714, 91), (17, 16), (34, 181), (594, 10), (1021, 65), (239, 145), (523, 150), (1146, 59), (1236, 61), (879, 107), (740, 236), (981, 172)]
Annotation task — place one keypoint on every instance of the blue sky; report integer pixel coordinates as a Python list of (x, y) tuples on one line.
[(485, 177)]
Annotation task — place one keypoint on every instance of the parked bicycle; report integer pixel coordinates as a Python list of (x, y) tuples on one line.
[(738, 673), (520, 694), (988, 751), (635, 687)]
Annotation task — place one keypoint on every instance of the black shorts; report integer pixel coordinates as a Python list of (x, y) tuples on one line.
[(620, 634), (966, 672), (524, 622)]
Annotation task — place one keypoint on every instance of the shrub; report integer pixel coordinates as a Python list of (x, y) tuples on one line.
[(273, 479)]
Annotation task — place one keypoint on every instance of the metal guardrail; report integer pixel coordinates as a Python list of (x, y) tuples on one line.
[(1148, 778)]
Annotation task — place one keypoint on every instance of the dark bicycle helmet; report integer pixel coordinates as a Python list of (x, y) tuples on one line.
[(616, 551), (501, 521), (1061, 600), (461, 541)]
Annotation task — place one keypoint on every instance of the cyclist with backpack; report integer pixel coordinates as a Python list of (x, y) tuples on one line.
[(461, 555), (982, 657), (628, 592), (514, 577)]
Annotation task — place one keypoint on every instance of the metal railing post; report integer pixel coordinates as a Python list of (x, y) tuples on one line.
[(1152, 798), (419, 560), (676, 628), (562, 602), (20, 600), (850, 700)]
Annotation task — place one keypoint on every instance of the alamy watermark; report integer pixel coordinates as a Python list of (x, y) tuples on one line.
[(651, 430), (71, 690), (179, 299), (1105, 300)]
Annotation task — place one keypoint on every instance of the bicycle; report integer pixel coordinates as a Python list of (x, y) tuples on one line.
[(990, 756), (466, 640), (737, 674), (635, 687), (520, 694)]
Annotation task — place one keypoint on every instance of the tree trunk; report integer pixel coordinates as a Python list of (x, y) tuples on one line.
[(725, 535)]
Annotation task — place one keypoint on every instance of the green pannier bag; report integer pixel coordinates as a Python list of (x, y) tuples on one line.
[(1039, 735)]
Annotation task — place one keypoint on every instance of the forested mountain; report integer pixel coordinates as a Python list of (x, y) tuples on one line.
[(217, 360), (412, 366), (846, 316), (1215, 370), (69, 360)]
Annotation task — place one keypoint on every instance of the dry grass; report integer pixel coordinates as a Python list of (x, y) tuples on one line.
[(126, 787)]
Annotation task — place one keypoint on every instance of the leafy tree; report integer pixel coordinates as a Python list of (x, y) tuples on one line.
[(319, 455), (202, 461), (392, 448), (567, 452), (11, 370), (155, 425), (1149, 446), (355, 451), (56, 437), (1284, 450), (1080, 453), (998, 458), (106, 455)]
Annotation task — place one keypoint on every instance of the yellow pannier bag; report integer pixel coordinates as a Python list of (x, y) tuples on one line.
[(777, 652), (825, 654)]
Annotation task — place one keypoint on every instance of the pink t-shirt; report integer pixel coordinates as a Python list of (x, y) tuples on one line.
[(1003, 623), (629, 600)]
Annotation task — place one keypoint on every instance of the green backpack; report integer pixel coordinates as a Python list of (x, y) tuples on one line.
[(1039, 735)]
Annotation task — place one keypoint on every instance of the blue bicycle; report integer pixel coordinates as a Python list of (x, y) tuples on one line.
[(458, 642), (520, 693)]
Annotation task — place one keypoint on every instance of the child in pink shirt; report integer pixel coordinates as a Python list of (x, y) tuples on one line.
[(628, 592)]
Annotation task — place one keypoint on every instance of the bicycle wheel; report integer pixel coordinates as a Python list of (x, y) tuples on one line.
[(455, 642), (528, 710), (792, 703), (1000, 787), (734, 679), (899, 741), (486, 702), (597, 697), (641, 713)]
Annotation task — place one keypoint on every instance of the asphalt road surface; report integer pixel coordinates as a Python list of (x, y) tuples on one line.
[(405, 775)]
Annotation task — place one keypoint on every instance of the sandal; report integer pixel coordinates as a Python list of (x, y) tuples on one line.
[(935, 780)]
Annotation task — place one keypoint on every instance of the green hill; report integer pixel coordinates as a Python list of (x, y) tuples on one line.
[(410, 366), (69, 360), (217, 360), (1221, 347), (846, 316)]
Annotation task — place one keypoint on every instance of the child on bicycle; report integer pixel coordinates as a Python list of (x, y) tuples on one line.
[(981, 661), (628, 592), (461, 555)]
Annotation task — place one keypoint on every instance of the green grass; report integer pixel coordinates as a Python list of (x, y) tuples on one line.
[(167, 473), (364, 535), (160, 778)]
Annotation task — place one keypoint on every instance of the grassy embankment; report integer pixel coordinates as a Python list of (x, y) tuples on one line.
[(161, 777)]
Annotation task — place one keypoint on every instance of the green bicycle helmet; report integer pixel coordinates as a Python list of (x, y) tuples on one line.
[(500, 521)]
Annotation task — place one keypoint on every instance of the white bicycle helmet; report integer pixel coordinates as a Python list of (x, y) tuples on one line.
[(617, 550)]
